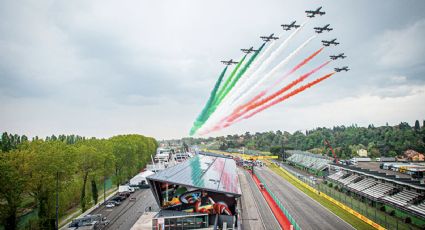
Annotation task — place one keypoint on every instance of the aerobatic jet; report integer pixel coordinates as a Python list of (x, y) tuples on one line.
[(321, 29), (334, 57), (269, 38), (247, 51), (312, 13), (230, 62), (345, 68), (331, 42), (289, 26)]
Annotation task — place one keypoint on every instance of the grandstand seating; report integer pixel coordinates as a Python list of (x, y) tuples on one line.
[(418, 208), (362, 184), (308, 160), (349, 179), (337, 175), (379, 190), (402, 198)]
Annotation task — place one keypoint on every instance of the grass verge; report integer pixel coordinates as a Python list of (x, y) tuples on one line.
[(346, 216)]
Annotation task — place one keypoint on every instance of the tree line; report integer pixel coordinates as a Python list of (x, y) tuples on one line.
[(346, 140), (30, 169)]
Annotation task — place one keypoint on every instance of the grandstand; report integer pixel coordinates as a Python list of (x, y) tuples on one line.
[(378, 190), (313, 163), (400, 193), (403, 197)]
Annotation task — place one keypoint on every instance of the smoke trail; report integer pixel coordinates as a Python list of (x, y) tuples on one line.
[(262, 93), (236, 117), (263, 101), (266, 106), (239, 75), (256, 75), (254, 71), (273, 71), (202, 116), (292, 93), (232, 84), (230, 78)]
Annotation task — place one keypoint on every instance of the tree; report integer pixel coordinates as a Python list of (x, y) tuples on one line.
[(90, 160), (12, 186), (94, 191), (417, 126), (275, 150)]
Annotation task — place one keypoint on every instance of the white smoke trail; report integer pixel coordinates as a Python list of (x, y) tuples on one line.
[(272, 72)]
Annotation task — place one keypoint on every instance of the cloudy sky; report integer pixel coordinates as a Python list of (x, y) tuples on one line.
[(100, 68)]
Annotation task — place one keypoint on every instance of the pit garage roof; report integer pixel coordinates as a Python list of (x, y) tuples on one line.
[(215, 174)]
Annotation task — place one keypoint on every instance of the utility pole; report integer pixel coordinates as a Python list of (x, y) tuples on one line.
[(57, 201), (104, 181), (282, 152)]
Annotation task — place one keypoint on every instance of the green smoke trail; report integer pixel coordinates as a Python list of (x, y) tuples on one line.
[(229, 79), (235, 80), (202, 116)]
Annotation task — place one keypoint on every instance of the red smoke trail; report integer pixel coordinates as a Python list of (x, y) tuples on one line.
[(266, 106), (286, 96), (262, 93), (303, 62), (274, 95)]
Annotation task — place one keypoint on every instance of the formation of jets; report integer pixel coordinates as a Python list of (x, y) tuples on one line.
[(345, 68), (321, 29), (269, 38), (331, 42), (289, 26), (334, 57), (247, 51), (312, 13), (230, 62)]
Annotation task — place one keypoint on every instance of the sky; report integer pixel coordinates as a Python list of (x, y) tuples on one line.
[(102, 68)]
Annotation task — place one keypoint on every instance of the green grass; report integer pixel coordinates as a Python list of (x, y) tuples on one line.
[(346, 216)]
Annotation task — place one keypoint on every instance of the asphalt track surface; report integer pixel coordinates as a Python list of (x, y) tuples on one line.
[(308, 213), (124, 216), (255, 206)]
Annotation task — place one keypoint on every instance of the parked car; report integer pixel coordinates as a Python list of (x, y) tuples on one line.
[(119, 198), (116, 203), (110, 205)]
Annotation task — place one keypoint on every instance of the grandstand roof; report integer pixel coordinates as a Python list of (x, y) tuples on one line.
[(384, 176), (211, 173)]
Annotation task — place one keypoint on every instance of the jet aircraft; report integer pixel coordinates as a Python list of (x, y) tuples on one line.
[(334, 57), (289, 26), (230, 62), (247, 51), (312, 13), (269, 38), (331, 42), (345, 68), (321, 29)]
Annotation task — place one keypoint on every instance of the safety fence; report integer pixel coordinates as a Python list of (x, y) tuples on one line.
[(277, 201)]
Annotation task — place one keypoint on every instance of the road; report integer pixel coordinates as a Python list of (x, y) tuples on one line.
[(124, 216), (256, 213), (308, 213)]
